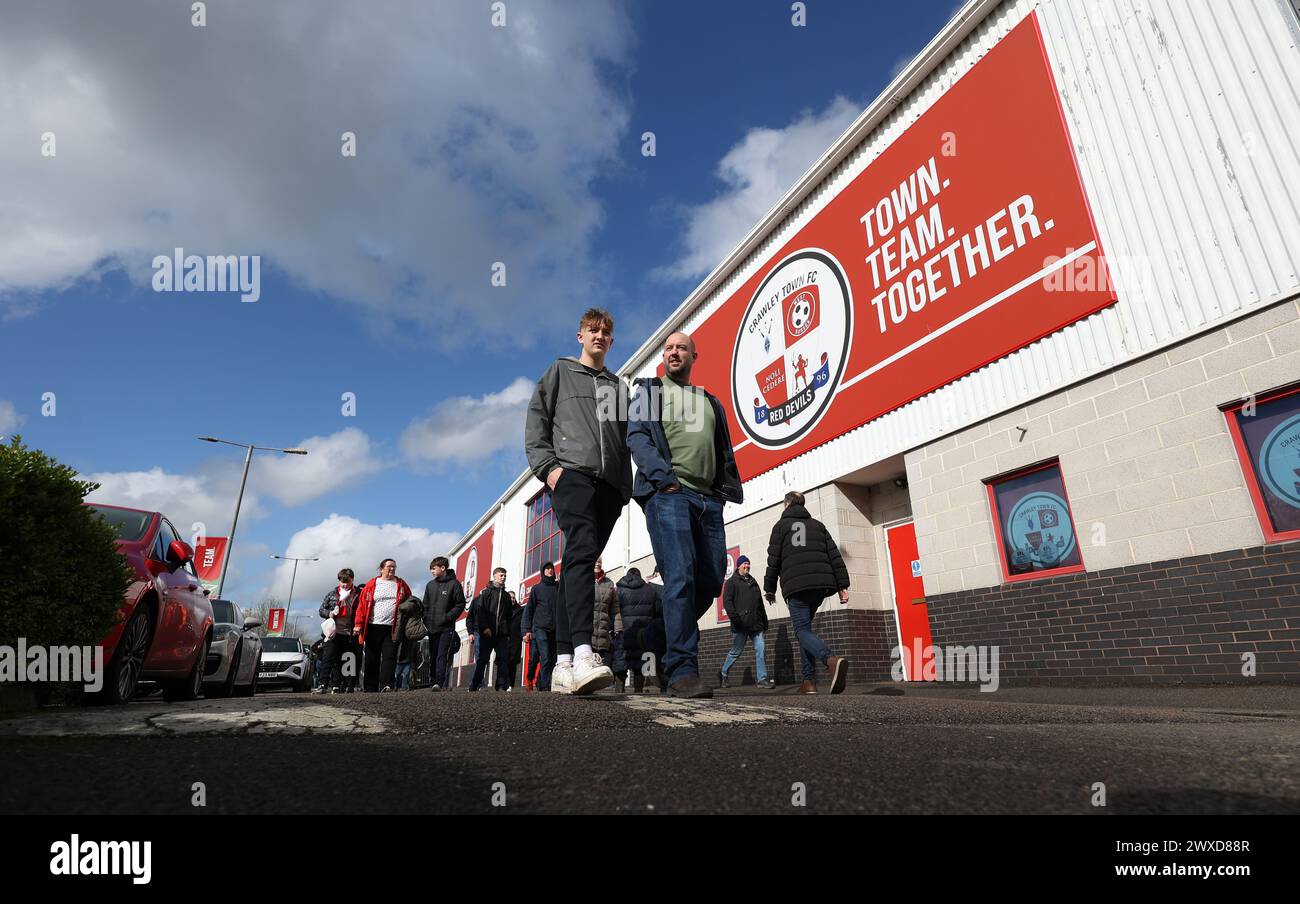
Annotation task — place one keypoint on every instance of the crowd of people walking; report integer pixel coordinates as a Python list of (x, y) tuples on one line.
[(584, 429)]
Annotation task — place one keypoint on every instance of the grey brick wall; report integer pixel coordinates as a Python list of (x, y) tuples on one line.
[(1180, 620)]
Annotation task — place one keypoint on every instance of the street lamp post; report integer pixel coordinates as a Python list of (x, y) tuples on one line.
[(248, 459), (295, 560)]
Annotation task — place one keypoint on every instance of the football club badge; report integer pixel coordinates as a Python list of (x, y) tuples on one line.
[(783, 380)]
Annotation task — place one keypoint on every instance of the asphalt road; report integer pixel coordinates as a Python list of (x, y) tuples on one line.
[(933, 750)]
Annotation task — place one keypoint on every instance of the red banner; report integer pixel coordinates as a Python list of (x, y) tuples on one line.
[(208, 558), (967, 238), (474, 565), (274, 621)]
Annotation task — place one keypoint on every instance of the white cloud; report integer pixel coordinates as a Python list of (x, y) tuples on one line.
[(332, 462), (208, 493), (474, 144), (469, 429), (206, 497), (900, 64), (342, 541), (9, 417), (757, 172)]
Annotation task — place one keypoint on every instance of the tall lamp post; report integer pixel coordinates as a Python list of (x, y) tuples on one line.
[(295, 560), (230, 542)]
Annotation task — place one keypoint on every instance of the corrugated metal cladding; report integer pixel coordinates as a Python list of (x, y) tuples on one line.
[(1182, 115)]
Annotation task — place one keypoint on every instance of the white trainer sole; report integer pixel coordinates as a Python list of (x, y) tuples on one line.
[(597, 680)]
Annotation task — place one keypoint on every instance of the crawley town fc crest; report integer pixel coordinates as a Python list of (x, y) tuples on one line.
[(791, 349), (1279, 461), (1039, 531)]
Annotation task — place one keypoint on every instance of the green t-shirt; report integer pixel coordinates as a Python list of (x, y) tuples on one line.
[(689, 424)]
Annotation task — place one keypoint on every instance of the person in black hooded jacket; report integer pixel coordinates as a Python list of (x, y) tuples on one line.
[(539, 624), (802, 555), (640, 604), (444, 601)]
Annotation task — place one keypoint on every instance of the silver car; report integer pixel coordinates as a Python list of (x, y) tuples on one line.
[(231, 668), (285, 662)]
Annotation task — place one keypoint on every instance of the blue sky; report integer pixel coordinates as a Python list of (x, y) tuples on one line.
[(519, 144)]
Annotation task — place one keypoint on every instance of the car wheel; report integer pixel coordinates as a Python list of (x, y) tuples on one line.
[(227, 687), (251, 689), (123, 675), (189, 687)]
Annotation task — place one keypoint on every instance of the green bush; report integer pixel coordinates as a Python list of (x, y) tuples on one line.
[(61, 576)]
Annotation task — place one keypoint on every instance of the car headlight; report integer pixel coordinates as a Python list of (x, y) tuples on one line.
[(220, 632)]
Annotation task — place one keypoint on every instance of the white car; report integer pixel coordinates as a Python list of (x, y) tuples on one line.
[(285, 661)]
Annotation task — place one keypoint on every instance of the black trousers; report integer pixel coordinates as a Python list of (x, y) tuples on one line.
[(332, 660), (587, 509), (381, 657), (439, 649), (486, 647)]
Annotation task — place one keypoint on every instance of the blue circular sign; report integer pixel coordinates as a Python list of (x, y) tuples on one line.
[(1039, 531), (1279, 461)]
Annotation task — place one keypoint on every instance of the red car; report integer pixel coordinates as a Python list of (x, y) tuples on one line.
[(165, 624)]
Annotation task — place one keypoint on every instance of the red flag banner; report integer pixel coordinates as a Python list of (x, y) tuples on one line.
[(208, 559)]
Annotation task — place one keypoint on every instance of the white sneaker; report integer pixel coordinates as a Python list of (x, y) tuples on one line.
[(562, 678), (590, 674)]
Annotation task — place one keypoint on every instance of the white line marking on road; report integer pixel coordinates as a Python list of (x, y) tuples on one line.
[(223, 717), (690, 713)]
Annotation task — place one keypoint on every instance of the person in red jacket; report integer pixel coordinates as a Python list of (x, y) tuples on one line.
[(376, 626)]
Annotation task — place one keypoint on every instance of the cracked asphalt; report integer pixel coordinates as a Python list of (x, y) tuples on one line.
[(928, 750)]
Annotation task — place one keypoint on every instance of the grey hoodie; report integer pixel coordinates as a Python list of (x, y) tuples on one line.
[(578, 421)]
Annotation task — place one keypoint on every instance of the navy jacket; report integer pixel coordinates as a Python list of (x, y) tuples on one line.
[(640, 602), (649, 445), (539, 614)]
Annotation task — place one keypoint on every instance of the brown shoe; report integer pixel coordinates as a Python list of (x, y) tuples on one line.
[(839, 669), (808, 687)]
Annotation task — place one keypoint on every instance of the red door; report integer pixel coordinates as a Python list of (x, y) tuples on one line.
[(909, 596)]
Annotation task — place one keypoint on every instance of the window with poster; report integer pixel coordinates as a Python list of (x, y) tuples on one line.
[(1266, 432), (544, 541), (1036, 533)]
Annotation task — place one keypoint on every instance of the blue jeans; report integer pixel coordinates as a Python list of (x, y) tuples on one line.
[(812, 647), (542, 644), (738, 639), (403, 675), (690, 545)]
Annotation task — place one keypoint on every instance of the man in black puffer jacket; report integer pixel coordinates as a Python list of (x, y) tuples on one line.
[(803, 556), (539, 624), (444, 601), (640, 604)]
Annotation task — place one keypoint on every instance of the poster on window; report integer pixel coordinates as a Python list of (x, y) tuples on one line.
[(1034, 522), (1271, 435)]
